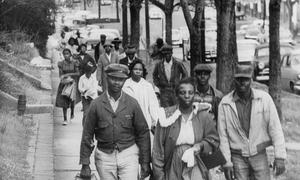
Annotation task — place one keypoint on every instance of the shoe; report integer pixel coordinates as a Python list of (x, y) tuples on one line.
[(72, 116), (65, 123)]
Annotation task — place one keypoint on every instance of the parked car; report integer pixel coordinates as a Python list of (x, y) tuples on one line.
[(106, 2), (155, 13), (290, 72), (261, 60)]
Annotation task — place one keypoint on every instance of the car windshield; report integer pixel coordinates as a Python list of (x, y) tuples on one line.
[(265, 51), (295, 59)]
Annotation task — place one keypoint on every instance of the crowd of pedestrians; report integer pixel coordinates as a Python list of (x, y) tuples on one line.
[(186, 133)]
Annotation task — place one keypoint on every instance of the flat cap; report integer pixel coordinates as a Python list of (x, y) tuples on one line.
[(243, 71), (203, 67), (116, 40), (102, 36), (166, 48), (117, 70)]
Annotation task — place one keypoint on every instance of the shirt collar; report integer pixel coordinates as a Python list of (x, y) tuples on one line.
[(110, 98), (208, 92)]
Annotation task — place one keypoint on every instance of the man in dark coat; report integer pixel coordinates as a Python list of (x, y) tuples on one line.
[(166, 75), (99, 49), (117, 122)]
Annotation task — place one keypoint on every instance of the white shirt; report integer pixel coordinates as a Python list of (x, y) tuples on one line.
[(73, 49), (168, 67), (186, 134), (108, 56), (143, 92), (114, 103), (88, 87)]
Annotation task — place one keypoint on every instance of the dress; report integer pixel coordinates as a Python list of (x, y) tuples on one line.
[(64, 68)]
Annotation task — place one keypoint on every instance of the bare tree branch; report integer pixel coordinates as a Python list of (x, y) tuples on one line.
[(158, 4), (187, 15)]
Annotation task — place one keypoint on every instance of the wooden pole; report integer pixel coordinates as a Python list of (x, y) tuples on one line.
[(99, 9)]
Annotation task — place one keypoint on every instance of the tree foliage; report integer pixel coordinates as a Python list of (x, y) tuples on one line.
[(35, 17)]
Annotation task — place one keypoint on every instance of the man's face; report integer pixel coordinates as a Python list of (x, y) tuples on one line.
[(242, 84), (107, 49), (185, 95), (131, 55), (202, 77), (83, 49), (168, 56), (102, 39), (115, 84)]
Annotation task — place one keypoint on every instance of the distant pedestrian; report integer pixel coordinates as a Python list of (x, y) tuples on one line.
[(79, 40), (117, 49), (88, 88), (155, 49), (117, 122), (182, 137), (108, 57), (99, 49), (130, 56), (206, 96), (67, 89), (143, 91), (72, 46), (247, 124), (63, 40), (84, 58), (166, 75)]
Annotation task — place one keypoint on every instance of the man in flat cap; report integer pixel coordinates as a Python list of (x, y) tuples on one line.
[(166, 75), (120, 129), (130, 56), (206, 96), (105, 59), (247, 124), (99, 49)]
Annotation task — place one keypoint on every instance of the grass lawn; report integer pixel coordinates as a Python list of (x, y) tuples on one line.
[(15, 134)]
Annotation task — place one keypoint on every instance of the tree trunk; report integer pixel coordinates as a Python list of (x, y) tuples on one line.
[(117, 9), (226, 44), (195, 50), (124, 23), (274, 59), (168, 27), (135, 23)]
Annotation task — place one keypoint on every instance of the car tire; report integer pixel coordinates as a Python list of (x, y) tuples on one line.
[(292, 87)]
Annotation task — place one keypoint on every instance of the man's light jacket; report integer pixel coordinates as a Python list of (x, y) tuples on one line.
[(265, 128)]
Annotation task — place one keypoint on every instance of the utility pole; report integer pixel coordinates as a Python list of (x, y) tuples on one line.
[(202, 39), (147, 24), (117, 9), (99, 9)]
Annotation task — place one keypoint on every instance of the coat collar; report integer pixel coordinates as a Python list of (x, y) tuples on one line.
[(122, 103)]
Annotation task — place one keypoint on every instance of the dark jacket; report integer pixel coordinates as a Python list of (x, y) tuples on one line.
[(83, 62), (125, 61), (165, 140), (160, 80), (98, 51), (120, 129)]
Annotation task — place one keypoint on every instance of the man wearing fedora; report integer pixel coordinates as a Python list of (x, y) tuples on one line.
[(120, 129), (117, 49), (99, 48), (166, 75), (130, 56), (206, 96), (247, 124), (105, 59)]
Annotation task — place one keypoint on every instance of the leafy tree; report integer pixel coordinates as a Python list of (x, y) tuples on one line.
[(226, 44), (290, 4), (274, 58), (35, 17)]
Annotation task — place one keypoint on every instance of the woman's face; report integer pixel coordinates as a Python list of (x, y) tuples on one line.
[(137, 71), (67, 55), (186, 95)]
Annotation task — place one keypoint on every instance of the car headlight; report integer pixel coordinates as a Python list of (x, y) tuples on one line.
[(298, 76), (261, 65)]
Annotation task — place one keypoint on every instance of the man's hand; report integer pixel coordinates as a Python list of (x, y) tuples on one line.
[(145, 170), (278, 166), (85, 171), (229, 173)]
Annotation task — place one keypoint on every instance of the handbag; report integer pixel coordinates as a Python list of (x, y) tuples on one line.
[(67, 90), (212, 160)]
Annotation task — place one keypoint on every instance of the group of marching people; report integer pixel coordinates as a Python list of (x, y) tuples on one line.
[(183, 133)]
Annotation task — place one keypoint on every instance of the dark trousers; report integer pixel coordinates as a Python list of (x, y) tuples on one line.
[(85, 106)]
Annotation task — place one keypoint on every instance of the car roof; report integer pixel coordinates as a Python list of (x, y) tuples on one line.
[(267, 45)]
